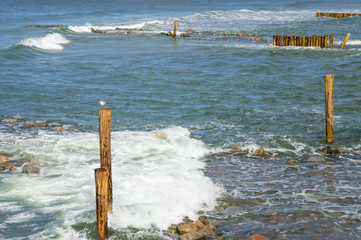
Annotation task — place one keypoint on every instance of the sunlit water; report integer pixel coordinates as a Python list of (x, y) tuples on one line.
[(177, 106)]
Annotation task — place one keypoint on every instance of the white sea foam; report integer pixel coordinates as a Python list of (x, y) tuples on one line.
[(157, 177), (52, 41)]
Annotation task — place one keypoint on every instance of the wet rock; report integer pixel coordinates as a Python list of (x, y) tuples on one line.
[(20, 162), (292, 161), (257, 39), (169, 33), (4, 159), (12, 121), (330, 150), (32, 123), (60, 128), (98, 31), (257, 237), (259, 151), (206, 222), (44, 124), (184, 228), (270, 212), (190, 31), (185, 35), (39, 164), (192, 236), (316, 159), (9, 166), (208, 231), (29, 169), (173, 228), (235, 151)]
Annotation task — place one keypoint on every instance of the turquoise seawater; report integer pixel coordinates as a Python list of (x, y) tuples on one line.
[(176, 106)]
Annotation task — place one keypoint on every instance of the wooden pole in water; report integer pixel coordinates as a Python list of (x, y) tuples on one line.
[(101, 190), (346, 38), (331, 41), (329, 107), (105, 149), (175, 29)]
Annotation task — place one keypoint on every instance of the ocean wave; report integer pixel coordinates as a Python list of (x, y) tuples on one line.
[(157, 176), (51, 41)]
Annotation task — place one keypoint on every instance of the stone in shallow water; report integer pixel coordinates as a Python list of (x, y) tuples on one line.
[(316, 159), (4, 159), (29, 169)]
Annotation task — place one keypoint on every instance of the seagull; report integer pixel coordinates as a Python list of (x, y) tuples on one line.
[(103, 103)]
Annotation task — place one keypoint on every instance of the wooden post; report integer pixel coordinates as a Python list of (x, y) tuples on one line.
[(346, 38), (325, 41), (175, 29), (105, 149), (101, 191), (331, 41), (329, 107)]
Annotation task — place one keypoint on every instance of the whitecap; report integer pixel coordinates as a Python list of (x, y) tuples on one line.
[(51, 41)]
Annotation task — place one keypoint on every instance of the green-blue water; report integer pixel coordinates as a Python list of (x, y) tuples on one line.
[(205, 93)]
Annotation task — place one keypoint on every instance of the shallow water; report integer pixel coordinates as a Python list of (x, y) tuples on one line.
[(177, 106)]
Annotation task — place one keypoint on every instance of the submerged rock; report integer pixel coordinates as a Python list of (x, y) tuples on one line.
[(39, 164), (257, 237), (4, 159), (98, 31), (29, 169), (330, 150), (316, 159), (190, 230)]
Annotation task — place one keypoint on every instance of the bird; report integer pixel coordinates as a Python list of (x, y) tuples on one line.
[(103, 103)]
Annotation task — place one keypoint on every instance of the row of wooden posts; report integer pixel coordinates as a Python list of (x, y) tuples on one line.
[(313, 41), (337, 15), (103, 175)]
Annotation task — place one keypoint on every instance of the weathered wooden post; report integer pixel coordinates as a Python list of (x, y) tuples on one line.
[(325, 41), (175, 29), (329, 107), (331, 41), (101, 191), (346, 38), (105, 149)]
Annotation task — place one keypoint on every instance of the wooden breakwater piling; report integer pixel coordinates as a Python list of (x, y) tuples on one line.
[(105, 149), (103, 175), (101, 196), (175, 29), (329, 107), (297, 41), (337, 15)]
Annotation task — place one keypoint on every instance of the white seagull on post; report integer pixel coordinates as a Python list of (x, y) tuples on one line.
[(103, 103)]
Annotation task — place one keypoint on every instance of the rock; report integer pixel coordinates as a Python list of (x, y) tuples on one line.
[(208, 231), (29, 169), (330, 150), (4, 159), (20, 162), (257, 237), (257, 39), (12, 121), (259, 151), (192, 236), (292, 161), (173, 228), (270, 212), (184, 228), (169, 33), (60, 128), (32, 123), (8, 165), (206, 222), (44, 124), (190, 31), (39, 164), (199, 224), (98, 31), (316, 159), (235, 151), (185, 35)]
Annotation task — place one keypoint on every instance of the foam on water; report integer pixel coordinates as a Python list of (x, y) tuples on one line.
[(157, 178), (52, 41)]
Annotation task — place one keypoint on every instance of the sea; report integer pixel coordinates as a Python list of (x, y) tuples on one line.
[(188, 117)]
